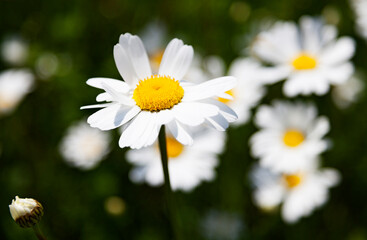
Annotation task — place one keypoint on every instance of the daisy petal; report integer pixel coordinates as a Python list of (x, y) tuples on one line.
[(125, 66), (209, 89), (169, 55), (180, 64), (338, 52), (180, 133), (121, 98), (96, 106), (139, 58), (194, 113), (218, 122), (118, 85)]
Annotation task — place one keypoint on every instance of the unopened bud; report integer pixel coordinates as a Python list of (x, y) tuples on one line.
[(26, 212)]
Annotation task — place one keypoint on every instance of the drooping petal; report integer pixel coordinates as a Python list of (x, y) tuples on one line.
[(180, 132)]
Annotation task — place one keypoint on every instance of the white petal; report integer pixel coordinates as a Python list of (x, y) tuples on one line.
[(224, 110), (96, 106), (139, 58), (194, 113), (119, 97), (218, 122), (169, 55), (180, 64), (340, 73), (320, 128), (180, 133), (338, 52), (112, 117), (117, 85), (125, 66), (209, 89)]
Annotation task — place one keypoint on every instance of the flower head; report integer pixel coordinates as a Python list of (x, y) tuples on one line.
[(360, 9), (309, 56), (299, 192), (14, 85), (188, 165), (84, 147), (144, 102), (26, 212), (290, 136)]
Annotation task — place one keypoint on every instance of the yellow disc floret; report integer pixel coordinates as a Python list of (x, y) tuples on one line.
[(292, 180), (293, 138), (304, 62), (174, 148), (158, 93)]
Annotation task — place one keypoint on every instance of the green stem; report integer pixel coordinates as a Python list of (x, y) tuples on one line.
[(38, 232), (173, 218)]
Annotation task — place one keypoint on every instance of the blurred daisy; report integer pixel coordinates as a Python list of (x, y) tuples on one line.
[(14, 50), (144, 102), (14, 85), (290, 136), (187, 165), (250, 88), (300, 193), (309, 56), (347, 93), (84, 147), (221, 225), (360, 9)]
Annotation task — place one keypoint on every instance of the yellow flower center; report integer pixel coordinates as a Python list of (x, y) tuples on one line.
[(292, 180), (224, 100), (174, 148), (304, 62), (158, 93), (293, 138), (156, 57)]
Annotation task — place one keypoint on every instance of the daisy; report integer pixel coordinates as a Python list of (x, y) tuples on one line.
[(14, 85), (310, 57), (250, 88), (14, 50), (300, 193), (188, 165), (360, 9), (290, 135), (347, 93), (84, 147), (144, 102)]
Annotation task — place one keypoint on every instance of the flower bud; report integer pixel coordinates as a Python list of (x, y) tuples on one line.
[(26, 212)]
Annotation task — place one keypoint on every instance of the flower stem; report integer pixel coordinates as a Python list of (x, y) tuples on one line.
[(38, 232), (173, 218)]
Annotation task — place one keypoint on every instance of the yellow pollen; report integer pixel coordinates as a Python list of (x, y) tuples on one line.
[(223, 100), (304, 62), (174, 148), (293, 138), (158, 93), (292, 180)]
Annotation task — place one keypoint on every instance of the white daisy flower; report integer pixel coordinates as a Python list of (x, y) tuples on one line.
[(300, 193), (347, 93), (250, 88), (144, 102), (290, 136), (84, 147), (14, 85), (187, 165), (14, 50), (309, 56), (360, 9)]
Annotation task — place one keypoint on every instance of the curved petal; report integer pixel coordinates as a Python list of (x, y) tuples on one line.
[(139, 58), (117, 85), (177, 67), (209, 89), (125, 66), (338, 52), (180, 133), (194, 113), (170, 54)]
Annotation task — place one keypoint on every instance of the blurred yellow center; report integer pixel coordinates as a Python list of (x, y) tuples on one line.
[(293, 138), (156, 58), (157, 93), (292, 180), (174, 148), (224, 100), (304, 62)]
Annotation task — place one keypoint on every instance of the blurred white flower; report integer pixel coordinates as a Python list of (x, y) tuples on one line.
[(347, 93), (14, 85), (47, 65), (219, 225), (187, 165), (309, 56), (203, 68), (14, 50), (290, 136), (300, 192), (144, 102), (360, 10), (26, 212), (250, 88), (83, 146)]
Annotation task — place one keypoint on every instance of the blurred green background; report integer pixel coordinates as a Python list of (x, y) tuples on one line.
[(80, 35)]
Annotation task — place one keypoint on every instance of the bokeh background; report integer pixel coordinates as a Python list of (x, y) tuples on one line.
[(71, 41)]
